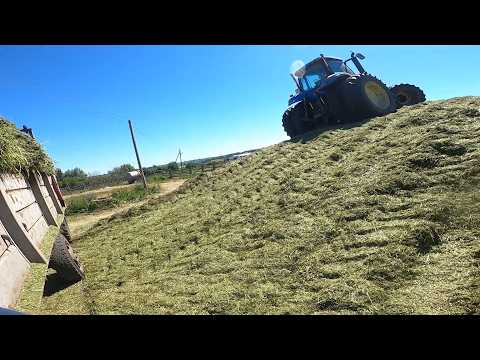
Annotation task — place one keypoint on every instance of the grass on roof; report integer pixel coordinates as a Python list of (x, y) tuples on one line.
[(19, 151)]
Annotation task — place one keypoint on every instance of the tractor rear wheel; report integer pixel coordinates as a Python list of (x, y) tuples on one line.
[(407, 95), (294, 121), (366, 96), (64, 261)]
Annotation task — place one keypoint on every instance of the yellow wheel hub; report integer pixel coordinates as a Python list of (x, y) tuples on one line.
[(377, 95)]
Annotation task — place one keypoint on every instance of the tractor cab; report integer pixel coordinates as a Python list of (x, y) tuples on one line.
[(317, 73), (322, 72)]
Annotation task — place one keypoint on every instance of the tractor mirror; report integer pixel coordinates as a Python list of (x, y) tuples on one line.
[(360, 56)]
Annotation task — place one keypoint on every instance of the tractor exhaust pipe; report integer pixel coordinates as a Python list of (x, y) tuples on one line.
[(359, 66)]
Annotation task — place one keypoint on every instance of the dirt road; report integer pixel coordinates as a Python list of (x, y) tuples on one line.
[(81, 223), (105, 191)]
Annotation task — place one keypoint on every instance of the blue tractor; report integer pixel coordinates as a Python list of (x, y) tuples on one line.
[(329, 93)]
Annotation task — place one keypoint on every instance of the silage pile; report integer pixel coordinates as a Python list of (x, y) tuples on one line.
[(379, 218), (19, 151)]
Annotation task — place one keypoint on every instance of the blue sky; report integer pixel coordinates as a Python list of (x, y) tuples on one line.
[(208, 100)]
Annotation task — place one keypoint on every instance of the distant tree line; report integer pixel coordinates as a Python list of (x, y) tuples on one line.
[(77, 179)]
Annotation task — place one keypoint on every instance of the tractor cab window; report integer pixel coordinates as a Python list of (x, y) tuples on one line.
[(313, 77), (339, 66)]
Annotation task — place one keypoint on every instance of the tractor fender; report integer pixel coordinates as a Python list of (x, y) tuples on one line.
[(310, 95), (333, 79), (291, 106), (296, 99)]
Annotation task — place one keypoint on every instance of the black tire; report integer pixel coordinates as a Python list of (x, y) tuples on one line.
[(64, 261), (407, 95), (294, 121), (65, 230), (287, 123), (365, 97)]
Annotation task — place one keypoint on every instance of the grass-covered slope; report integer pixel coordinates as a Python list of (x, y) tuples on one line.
[(379, 218), (19, 151)]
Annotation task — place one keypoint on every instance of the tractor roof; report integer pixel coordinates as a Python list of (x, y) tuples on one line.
[(309, 65)]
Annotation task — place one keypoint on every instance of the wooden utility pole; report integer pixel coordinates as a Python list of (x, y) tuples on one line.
[(179, 155), (138, 156)]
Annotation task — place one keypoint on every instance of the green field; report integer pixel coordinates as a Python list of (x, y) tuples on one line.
[(90, 202), (378, 218)]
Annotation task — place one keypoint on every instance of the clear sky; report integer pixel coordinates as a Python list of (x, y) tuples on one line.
[(208, 100)]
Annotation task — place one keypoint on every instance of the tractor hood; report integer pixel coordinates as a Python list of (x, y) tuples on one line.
[(334, 78), (311, 94)]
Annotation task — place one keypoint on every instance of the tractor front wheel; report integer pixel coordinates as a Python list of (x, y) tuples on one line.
[(407, 95), (294, 121)]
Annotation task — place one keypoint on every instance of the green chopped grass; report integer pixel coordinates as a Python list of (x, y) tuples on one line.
[(378, 218), (32, 291), (19, 151)]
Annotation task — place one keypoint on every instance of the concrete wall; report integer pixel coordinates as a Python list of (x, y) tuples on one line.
[(28, 206), (25, 205), (13, 269)]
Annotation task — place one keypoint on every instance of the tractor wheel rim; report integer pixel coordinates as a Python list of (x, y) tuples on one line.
[(377, 95)]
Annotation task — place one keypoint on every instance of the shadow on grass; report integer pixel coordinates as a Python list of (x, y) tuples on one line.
[(313, 134), (54, 283)]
